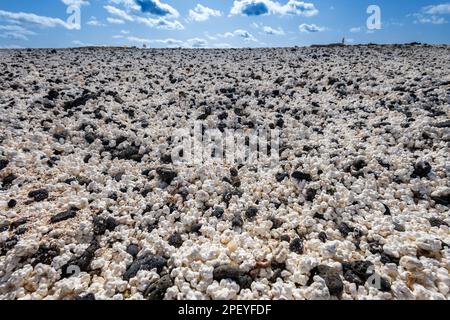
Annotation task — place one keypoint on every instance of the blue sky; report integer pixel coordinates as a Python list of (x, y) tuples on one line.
[(217, 23)]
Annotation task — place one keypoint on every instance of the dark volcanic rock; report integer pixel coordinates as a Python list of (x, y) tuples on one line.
[(157, 290), (251, 213), (218, 212), (421, 169), (175, 240), (166, 175), (86, 297), (133, 249), (45, 254), (80, 101), (233, 273), (300, 176), (296, 246), (332, 279), (100, 225), (12, 203), (3, 163), (82, 263), (345, 229), (18, 223), (68, 214), (38, 195), (436, 222), (145, 263)]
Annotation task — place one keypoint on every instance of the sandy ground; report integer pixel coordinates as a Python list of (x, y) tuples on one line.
[(93, 205)]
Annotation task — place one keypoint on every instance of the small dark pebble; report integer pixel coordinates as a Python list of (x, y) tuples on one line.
[(133, 249), (175, 240), (100, 225), (38, 195), (234, 172), (145, 263), (4, 226), (285, 238), (323, 237), (359, 164), (18, 223), (21, 230), (436, 222), (81, 263), (68, 214), (45, 255), (345, 229), (166, 175), (237, 221), (196, 228), (3, 163), (351, 277), (296, 246), (12, 203), (276, 223), (8, 180), (362, 269), (233, 273), (387, 211), (8, 245), (157, 290), (332, 279), (217, 212), (386, 258), (310, 194), (251, 213), (300, 176), (86, 297), (398, 227), (421, 169), (281, 176)]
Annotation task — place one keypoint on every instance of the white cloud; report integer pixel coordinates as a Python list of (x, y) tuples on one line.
[(431, 14), (124, 31), (196, 43), (169, 42), (247, 36), (119, 13), (15, 32), (431, 20), (32, 18), (266, 7), (115, 21), (160, 23), (269, 30), (355, 30), (202, 13), (207, 35), (94, 22), (157, 8), (80, 43), (222, 45), (75, 3), (310, 28), (129, 4), (138, 40), (437, 9)]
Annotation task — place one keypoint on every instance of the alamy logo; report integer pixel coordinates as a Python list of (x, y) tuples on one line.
[(374, 20), (74, 20), (200, 145), (74, 12)]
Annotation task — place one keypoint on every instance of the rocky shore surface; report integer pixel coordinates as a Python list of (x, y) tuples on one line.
[(93, 207)]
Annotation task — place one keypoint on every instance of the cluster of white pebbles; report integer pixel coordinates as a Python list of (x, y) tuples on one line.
[(92, 207)]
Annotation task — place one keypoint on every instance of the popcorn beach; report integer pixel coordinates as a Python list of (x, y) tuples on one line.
[(99, 200)]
